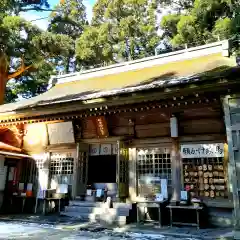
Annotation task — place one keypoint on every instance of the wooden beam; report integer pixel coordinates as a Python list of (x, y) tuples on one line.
[(7, 147), (138, 98)]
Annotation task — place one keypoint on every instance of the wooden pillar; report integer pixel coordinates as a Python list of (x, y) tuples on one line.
[(176, 163), (132, 174), (231, 105), (75, 172), (176, 171)]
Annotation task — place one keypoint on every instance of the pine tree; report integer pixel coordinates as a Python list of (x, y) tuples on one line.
[(121, 30), (202, 21), (24, 48), (69, 18)]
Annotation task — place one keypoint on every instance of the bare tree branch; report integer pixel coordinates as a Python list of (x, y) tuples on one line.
[(18, 72), (38, 9)]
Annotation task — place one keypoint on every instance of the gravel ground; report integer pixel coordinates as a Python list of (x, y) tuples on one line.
[(16, 230)]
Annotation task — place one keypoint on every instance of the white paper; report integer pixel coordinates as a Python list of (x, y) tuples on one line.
[(99, 193), (202, 150), (94, 149), (89, 192), (106, 149), (164, 189), (159, 197), (3, 176), (114, 149), (41, 194), (62, 188), (21, 186), (184, 195), (29, 186), (43, 179), (11, 172)]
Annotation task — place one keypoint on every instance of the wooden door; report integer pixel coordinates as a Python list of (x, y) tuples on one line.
[(122, 169), (81, 169)]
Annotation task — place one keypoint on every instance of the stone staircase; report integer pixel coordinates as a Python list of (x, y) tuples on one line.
[(98, 212)]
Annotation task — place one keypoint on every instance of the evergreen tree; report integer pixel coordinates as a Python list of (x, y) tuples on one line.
[(25, 50), (120, 30), (201, 22), (69, 18)]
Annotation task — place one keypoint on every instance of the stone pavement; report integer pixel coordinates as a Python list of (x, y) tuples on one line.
[(69, 225), (36, 232)]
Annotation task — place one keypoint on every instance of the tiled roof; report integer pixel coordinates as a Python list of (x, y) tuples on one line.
[(152, 77)]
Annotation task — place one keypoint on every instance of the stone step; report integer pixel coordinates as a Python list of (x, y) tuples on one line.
[(221, 218), (120, 211), (77, 215), (98, 204), (85, 204), (102, 218), (122, 205)]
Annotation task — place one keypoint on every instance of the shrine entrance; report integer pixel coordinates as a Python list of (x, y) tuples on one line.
[(102, 169)]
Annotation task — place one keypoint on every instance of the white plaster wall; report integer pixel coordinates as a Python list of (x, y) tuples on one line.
[(3, 173)]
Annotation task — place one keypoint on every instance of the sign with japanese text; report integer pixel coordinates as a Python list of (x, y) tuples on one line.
[(106, 149), (94, 149), (202, 150), (114, 149), (60, 133), (101, 125)]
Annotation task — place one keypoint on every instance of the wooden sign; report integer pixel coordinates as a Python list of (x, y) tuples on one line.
[(101, 125), (202, 150), (60, 133)]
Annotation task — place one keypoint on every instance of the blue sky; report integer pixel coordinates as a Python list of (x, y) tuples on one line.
[(32, 15)]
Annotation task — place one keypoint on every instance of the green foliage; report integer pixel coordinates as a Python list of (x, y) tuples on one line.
[(177, 5), (23, 44), (93, 47), (223, 28), (69, 18), (169, 25), (16, 6), (32, 83), (120, 30), (201, 22)]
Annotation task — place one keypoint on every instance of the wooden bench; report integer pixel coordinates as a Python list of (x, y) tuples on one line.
[(192, 208)]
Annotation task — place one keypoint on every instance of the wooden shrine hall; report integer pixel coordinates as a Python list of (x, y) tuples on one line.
[(125, 127)]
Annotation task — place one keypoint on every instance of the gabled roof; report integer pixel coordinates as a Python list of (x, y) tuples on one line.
[(165, 70)]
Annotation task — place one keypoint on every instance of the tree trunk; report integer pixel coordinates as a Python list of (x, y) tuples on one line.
[(3, 77), (67, 65), (3, 82)]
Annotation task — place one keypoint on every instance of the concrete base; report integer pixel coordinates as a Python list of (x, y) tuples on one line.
[(237, 234)]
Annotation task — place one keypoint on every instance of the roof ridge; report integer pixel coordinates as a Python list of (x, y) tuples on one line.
[(57, 79)]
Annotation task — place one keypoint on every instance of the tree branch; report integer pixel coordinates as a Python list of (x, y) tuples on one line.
[(21, 70), (38, 9)]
